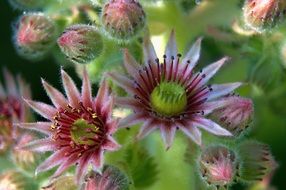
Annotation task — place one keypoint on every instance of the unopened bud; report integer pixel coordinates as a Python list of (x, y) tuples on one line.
[(123, 19), (12, 180), (218, 166), (62, 183), (27, 4), (110, 179), (235, 115), (262, 14), (81, 43), (256, 161), (35, 34)]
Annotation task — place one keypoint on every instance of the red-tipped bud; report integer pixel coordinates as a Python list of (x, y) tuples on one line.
[(81, 43), (218, 166), (27, 4), (256, 161), (62, 183), (35, 34), (110, 179), (123, 19), (260, 14), (235, 115)]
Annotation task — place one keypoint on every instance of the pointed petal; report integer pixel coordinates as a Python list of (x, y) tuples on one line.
[(209, 107), (122, 81), (127, 102), (70, 89), (147, 128), (110, 144), (43, 109), (51, 162), (86, 95), (97, 159), (66, 164), (192, 132), (102, 94), (222, 90), (82, 167), (131, 120), (10, 83), (41, 145), (211, 126), (168, 134), (130, 64), (43, 127), (112, 125), (107, 107), (171, 49), (56, 97), (211, 70), (149, 51), (193, 54)]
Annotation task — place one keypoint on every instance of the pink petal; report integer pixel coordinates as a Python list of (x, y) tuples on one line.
[(171, 49), (43, 127), (43, 109), (51, 162), (111, 125), (10, 83), (122, 81), (149, 51), (86, 95), (71, 89), (147, 128), (41, 145), (210, 126), (108, 107), (70, 160), (131, 120), (209, 107), (127, 102), (110, 144), (97, 159), (130, 64), (56, 97), (193, 55), (82, 166), (192, 132), (168, 134), (102, 94), (222, 90)]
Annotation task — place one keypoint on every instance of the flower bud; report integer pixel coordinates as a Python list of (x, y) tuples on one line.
[(27, 4), (62, 183), (12, 180), (34, 35), (235, 115), (123, 19), (81, 43), (218, 166), (110, 179), (260, 14), (256, 161)]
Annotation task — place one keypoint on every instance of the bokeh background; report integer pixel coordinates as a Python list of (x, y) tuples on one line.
[(269, 125)]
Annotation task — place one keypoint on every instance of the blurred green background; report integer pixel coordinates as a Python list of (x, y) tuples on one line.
[(270, 119)]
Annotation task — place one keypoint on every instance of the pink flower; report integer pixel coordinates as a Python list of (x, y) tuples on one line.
[(80, 127), (169, 95)]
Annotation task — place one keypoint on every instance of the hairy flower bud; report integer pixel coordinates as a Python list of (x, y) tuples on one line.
[(256, 161), (235, 115), (81, 43), (27, 4), (218, 166), (123, 19), (34, 35), (62, 183), (12, 180), (110, 179), (260, 14)]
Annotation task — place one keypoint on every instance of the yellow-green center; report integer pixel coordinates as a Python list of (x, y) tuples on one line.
[(83, 133), (168, 99)]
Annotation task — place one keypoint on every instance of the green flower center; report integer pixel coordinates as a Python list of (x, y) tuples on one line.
[(168, 99), (83, 133)]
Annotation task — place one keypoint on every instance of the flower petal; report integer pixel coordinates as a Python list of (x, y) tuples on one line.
[(43, 109), (43, 127), (171, 49), (193, 55), (110, 144), (10, 83), (193, 132), (127, 102), (122, 81), (102, 95), (130, 64), (131, 120), (86, 95), (70, 89), (56, 97), (41, 145), (147, 128), (222, 90), (97, 159), (149, 51), (82, 166), (210, 126), (168, 134), (66, 164)]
